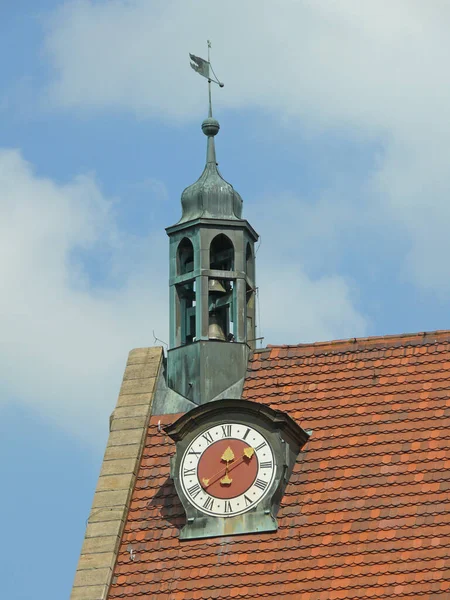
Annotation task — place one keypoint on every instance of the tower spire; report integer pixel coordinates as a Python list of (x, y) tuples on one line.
[(211, 195), (212, 259)]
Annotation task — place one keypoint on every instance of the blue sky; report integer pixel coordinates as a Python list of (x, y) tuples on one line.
[(335, 130)]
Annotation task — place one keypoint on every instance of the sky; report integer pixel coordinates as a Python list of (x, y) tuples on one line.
[(335, 129)]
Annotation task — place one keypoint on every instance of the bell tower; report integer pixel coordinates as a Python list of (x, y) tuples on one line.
[(212, 287)]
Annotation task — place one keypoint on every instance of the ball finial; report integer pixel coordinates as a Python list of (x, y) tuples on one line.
[(210, 126)]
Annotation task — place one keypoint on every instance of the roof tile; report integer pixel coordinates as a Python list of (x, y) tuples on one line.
[(366, 513)]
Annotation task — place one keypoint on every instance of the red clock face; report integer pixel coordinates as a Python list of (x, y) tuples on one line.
[(227, 479), (227, 469)]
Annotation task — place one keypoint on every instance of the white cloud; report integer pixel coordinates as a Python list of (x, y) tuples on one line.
[(298, 309), (64, 340), (373, 64), (295, 306), (413, 186), (375, 68), (64, 344)]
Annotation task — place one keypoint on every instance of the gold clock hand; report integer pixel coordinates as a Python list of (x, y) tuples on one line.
[(228, 455), (226, 480), (208, 481), (249, 452)]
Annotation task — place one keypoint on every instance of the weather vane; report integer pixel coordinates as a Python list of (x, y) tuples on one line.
[(204, 68)]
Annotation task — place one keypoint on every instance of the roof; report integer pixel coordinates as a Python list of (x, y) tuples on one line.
[(210, 196), (366, 513)]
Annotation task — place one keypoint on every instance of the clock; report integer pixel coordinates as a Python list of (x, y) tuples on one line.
[(232, 461), (227, 469)]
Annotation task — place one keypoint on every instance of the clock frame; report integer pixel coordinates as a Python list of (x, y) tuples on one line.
[(227, 469), (280, 432)]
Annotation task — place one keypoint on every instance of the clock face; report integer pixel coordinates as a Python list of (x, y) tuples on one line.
[(227, 469)]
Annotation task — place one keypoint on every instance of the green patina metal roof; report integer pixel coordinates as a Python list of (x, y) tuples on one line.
[(210, 196)]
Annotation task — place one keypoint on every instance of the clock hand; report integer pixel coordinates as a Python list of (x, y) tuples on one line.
[(241, 460), (249, 452), (226, 480), (228, 455), (208, 481), (223, 471)]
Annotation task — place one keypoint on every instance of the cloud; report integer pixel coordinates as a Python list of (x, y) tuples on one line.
[(373, 69), (65, 336), (311, 309), (301, 296), (344, 63), (64, 341), (413, 187)]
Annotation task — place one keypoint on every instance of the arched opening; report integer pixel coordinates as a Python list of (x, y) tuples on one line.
[(185, 257), (186, 298), (221, 258), (221, 253)]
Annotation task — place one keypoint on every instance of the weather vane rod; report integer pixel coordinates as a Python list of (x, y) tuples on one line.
[(204, 68)]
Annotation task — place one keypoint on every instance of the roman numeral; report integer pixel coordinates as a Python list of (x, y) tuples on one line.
[(209, 503), (194, 452), (259, 483), (228, 506), (262, 444), (188, 472), (194, 490), (266, 465), (226, 430), (208, 437), (247, 500), (246, 433)]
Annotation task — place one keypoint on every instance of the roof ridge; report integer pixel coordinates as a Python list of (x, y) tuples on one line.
[(440, 333)]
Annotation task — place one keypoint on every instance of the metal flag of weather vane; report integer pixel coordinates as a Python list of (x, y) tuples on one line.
[(204, 68)]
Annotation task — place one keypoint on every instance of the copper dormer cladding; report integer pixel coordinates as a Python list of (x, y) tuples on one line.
[(232, 463)]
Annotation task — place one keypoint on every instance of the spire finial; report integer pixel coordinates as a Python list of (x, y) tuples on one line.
[(204, 68), (210, 126), (209, 82)]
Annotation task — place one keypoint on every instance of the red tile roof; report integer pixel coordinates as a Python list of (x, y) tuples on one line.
[(367, 511)]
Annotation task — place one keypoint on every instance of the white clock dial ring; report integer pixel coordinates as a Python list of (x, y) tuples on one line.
[(227, 469)]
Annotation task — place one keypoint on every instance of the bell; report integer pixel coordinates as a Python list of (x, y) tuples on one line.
[(216, 287), (215, 330)]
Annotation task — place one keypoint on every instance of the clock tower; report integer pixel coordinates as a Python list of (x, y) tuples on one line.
[(233, 458)]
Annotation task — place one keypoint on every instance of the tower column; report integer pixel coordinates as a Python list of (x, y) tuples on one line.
[(174, 336), (202, 293), (240, 333)]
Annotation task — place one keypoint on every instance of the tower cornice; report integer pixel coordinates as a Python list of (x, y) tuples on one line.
[(205, 222)]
